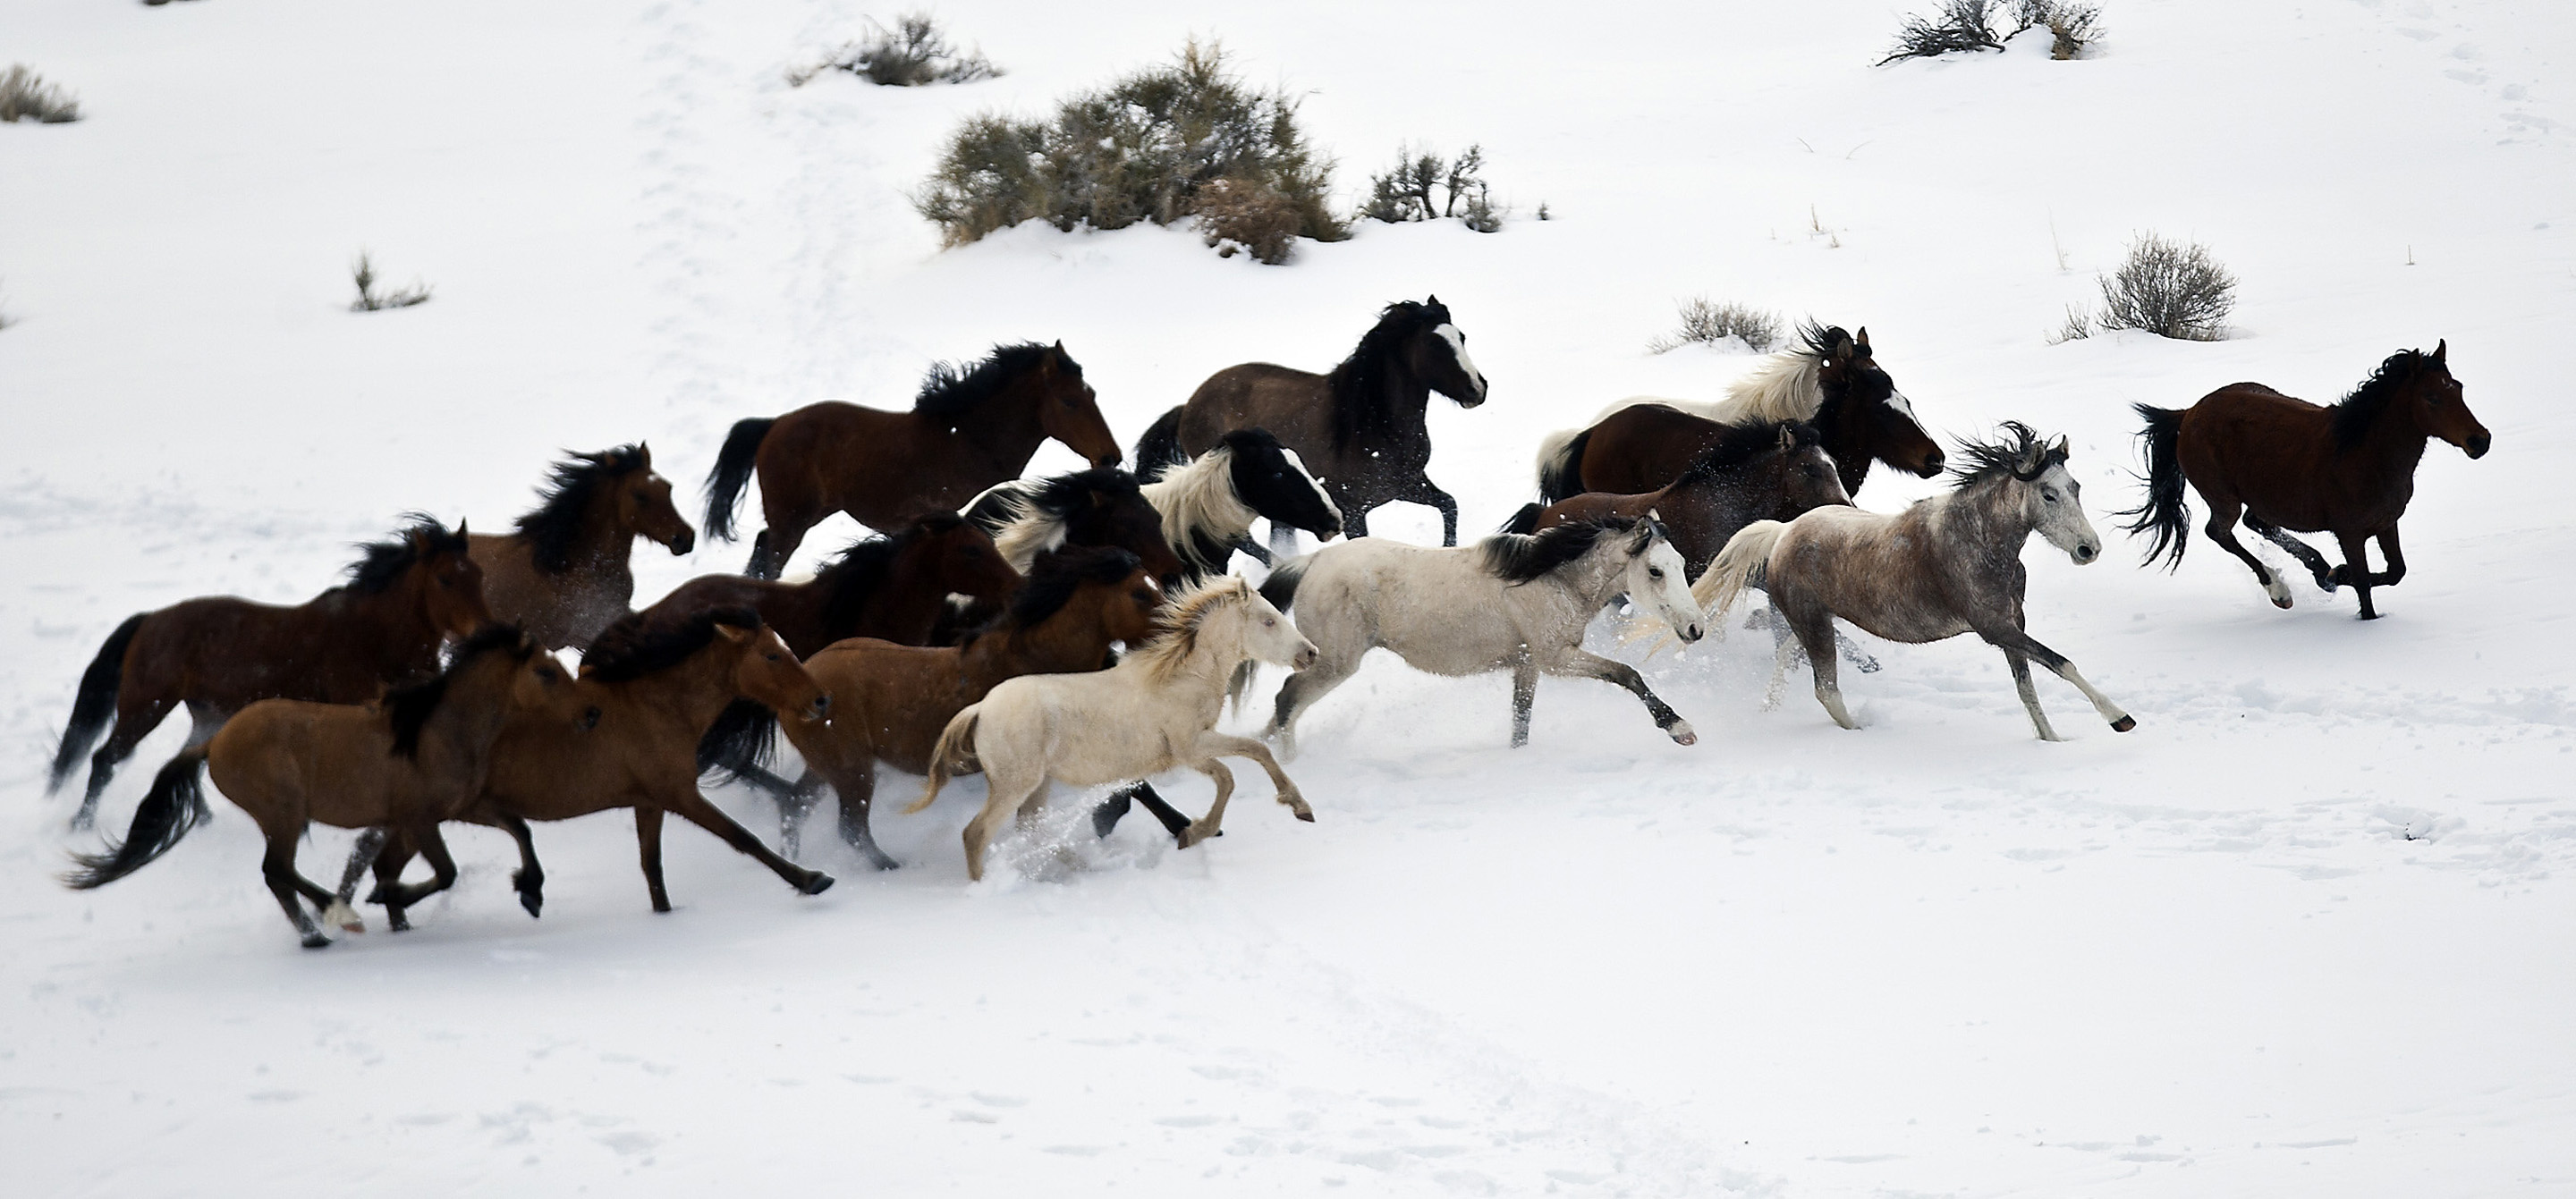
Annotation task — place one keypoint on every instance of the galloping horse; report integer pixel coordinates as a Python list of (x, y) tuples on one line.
[(968, 429), (1757, 473), (1360, 427), (2289, 465), (1947, 565), (1205, 505), (1103, 506), (562, 575), (891, 587), (1832, 382), (218, 654)]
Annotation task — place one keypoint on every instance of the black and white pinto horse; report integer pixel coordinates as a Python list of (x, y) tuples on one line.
[(1207, 505)]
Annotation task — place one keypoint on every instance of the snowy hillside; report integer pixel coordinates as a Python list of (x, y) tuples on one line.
[(2311, 929)]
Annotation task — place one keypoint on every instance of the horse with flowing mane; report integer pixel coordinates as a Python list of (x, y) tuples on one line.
[(562, 573), (1757, 472), (1205, 505)]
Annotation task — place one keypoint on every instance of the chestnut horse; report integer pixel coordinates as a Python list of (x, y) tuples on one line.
[(889, 701), (407, 763), (562, 574), (1758, 472), (1359, 428), (968, 429), (218, 654), (2288, 465)]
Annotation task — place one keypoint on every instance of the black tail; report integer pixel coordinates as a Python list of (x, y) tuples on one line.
[(1563, 476), (741, 744), (1160, 448), (1281, 587), (1524, 521), (733, 469), (2164, 513), (95, 703), (174, 805)]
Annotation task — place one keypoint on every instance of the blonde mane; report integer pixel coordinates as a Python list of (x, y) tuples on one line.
[(1783, 388), (1199, 495), (1028, 533), (1176, 639)]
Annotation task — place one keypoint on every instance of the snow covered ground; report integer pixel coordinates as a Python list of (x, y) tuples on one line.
[(2309, 930)]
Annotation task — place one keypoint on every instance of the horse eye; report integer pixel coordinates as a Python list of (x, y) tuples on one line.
[(1654, 572), (1269, 622), (771, 657)]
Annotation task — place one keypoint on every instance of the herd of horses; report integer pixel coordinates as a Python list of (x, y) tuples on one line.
[(1084, 629)]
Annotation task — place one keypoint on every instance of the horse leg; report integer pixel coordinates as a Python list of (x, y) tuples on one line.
[(793, 807), (1212, 824), (1572, 660), (1813, 626), (690, 806), (370, 845), (1105, 818), (1283, 540), (277, 866), (1253, 549), (2356, 570), (2222, 529), (1213, 743), (648, 848), (1852, 651), (529, 880), (2010, 639), (858, 790), (1003, 796), (133, 724), (1785, 654), (442, 867), (2305, 553), (2396, 559), (2020, 663), (1423, 491), (1524, 695), (1300, 693), (777, 543)]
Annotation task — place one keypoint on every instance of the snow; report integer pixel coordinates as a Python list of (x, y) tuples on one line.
[(2306, 931)]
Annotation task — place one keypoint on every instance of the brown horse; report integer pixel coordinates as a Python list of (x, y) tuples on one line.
[(1759, 472), (2288, 465), (562, 575), (889, 701), (218, 654), (887, 587), (407, 763), (1359, 429), (1833, 383), (656, 689), (968, 429)]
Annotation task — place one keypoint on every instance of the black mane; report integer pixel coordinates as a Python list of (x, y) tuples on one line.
[(1519, 557), (2002, 457), (2354, 415), (949, 392), (637, 645), (1820, 340), (410, 707), (565, 497), (1740, 444), (1053, 578), (381, 563), (1358, 385), (1064, 495)]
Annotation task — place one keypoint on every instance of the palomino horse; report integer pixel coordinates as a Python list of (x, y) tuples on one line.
[(218, 654), (562, 574), (2288, 465), (1156, 710), (967, 431), (407, 763), (1757, 473), (889, 702), (656, 689), (890, 587), (1360, 426), (1103, 506), (1832, 382), (1947, 565), (1206, 505), (1510, 602)]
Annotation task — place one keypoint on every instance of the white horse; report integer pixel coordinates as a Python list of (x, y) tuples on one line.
[(1509, 602), (1156, 710), (1947, 565)]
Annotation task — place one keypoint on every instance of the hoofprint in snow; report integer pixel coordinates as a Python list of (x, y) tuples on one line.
[(2304, 931)]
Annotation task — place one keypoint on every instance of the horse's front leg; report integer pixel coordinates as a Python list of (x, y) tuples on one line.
[(1213, 743), (1573, 660), (1254, 550), (2005, 637), (1283, 539), (529, 880), (2396, 559), (1524, 695), (2356, 570), (1423, 491), (1211, 824), (2305, 553)]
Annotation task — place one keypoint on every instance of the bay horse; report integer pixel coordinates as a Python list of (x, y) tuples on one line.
[(218, 654), (1758, 472), (2287, 465), (968, 429), (655, 689), (889, 702), (1511, 602), (562, 573), (1359, 426), (1156, 710), (406, 763), (1831, 381), (1947, 565)]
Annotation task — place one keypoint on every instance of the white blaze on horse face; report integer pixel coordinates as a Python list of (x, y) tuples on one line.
[(2058, 513), (1658, 579), (1905, 407), (1458, 345)]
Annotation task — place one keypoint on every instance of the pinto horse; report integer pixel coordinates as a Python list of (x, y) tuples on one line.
[(1205, 506), (2288, 465), (562, 574), (218, 654), (1832, 381), (1103, 506), (1360, 427), (968, 429), (1757, 473)]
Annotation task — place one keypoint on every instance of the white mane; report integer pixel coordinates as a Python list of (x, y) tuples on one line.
[(1782, 388), (1027, 532), (1198, 496)]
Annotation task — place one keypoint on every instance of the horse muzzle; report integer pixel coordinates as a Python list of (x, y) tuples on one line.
[(2084, 553), (1305, 658), (682, 544), (2476, 446), (1932, 464), (1689, 633)]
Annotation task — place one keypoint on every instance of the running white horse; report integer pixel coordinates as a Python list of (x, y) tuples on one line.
[(1947, 565), (1509, 602), (1156, 710)]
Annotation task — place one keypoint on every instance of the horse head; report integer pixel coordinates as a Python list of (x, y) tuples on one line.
[(1803, 475), (1266, 633), (1069, 411), (767, 672), (1657, 577), (1436, 353), (1271, 480), (1872, 407), (450, 583), (2435, 400), (2052, 499), (643, 503)]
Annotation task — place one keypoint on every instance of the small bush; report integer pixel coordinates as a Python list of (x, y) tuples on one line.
[(1146, 148), (2071, 26), (1968, 26), (363, 272), (1705, 323), (25, 96), (2171, 289), (915, 53), (1426, 187), (1251, 216), (2078, 326)]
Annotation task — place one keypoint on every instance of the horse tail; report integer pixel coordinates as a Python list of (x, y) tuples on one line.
[(1160, 448), (1281, 587), (1560, 464), (1524, 521), (740, 743), (733, 469), (2164, 513), (176, 802), (95, 703), (955, 754), (1741, 563)]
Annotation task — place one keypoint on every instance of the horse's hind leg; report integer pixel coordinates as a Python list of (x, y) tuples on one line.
[(858, 789), (1424, 492), (136, 717), (1211, 825), (1814, 629), (1105, 818), (2356, 570), (1300, 693), (433, 846), (2305, 553), (1524, 695), (648, 852), (1004, 795), (2221, 528), (690, 806), (277, 866), (2396, 559)]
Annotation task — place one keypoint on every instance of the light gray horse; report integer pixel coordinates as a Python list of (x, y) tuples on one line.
[(1509, 602), (1945, 566)]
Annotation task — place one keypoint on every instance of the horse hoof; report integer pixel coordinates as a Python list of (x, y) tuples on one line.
[(532, 901), (1682, 734), (344, 916), (883, 862), (814, 884), (316, 941), (2124, 724), (1308, 817), (2281, 601)]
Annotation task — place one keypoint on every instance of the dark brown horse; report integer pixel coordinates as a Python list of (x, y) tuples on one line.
[(1757, 473), (1833, 383), (408, 763), (2288, 465), (1359, 429), (218, 654), (889, 587), (562, 574), (889, 702), (968, 429)]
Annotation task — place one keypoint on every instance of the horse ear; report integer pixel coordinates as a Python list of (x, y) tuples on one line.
[(1788, 436), (733, 632), (1433, 302), (2441, 351), (1863, 337), (1843, 348), (644, 453), (2058, 451), (460, 528)]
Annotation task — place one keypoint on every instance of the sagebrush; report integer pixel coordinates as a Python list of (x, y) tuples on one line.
[(2169, 288), (1423, 186), (1705, 322), (363, 273), (25, 96), (915, 53), (1148, 147), (1968, 26)]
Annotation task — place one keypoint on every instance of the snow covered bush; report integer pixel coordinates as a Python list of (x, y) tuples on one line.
[(25, 96), (1706, 323), (2171, 289), (915, 53), (1968, 26), (1424, 186), (1146, 148), (1251, 216), (363, 273), (2071, 26)]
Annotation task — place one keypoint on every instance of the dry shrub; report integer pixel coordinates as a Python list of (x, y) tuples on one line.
[(25, 96), (1706, 323), (1423, 186), (915, 53), (1251, 216), (2071, 25), (2078, 326), (363, 273), (1968, 26), (2171, 289)]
